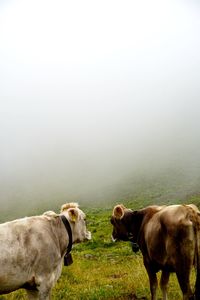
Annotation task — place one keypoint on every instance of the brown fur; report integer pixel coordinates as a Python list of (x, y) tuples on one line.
[(169, 239)]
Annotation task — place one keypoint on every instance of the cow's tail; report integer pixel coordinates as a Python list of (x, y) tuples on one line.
[(197, 256)]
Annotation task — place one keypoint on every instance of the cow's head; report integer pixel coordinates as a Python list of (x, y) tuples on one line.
[(122, 222), (77, 220)]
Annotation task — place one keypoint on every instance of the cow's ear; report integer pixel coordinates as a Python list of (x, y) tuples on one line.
[(73, 214), (118, 211)]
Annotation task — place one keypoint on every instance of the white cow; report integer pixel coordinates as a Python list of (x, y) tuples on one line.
[(32, 250)]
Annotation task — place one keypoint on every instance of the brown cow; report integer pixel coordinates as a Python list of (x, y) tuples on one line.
[(169, 239), (32, 250)]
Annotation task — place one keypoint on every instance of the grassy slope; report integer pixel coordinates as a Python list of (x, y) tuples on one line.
[(105, 270)]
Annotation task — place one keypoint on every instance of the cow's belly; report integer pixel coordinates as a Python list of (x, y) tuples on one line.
[(13, 281), (15, 271), (13, 275), (8, 285)]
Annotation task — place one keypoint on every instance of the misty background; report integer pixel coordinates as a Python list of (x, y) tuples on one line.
[(97, 100)]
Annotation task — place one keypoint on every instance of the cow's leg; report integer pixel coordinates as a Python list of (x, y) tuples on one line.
[(184, 282), (163, 283), (44, 293), (153, 285), (153, 282), (197, 285), (32, 295)]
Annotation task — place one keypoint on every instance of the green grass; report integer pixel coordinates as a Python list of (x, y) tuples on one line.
[(103, 269)]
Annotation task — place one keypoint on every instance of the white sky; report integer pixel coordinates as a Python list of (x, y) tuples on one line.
[(90, 89)]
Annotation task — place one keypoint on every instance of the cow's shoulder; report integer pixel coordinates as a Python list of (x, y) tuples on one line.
[(152, 209), (147, 213), (143, 217)]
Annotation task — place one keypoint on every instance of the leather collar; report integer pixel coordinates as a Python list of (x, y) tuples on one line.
[(69, 231)]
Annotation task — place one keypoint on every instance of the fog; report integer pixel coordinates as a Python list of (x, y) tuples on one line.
[(94, 95)]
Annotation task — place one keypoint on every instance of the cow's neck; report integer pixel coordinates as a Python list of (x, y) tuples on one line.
[(137, 224)]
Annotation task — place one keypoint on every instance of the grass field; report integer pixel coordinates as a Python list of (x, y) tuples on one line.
[(103, 269)]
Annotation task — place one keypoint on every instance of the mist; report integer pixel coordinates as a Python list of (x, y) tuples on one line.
[(97, 95)]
